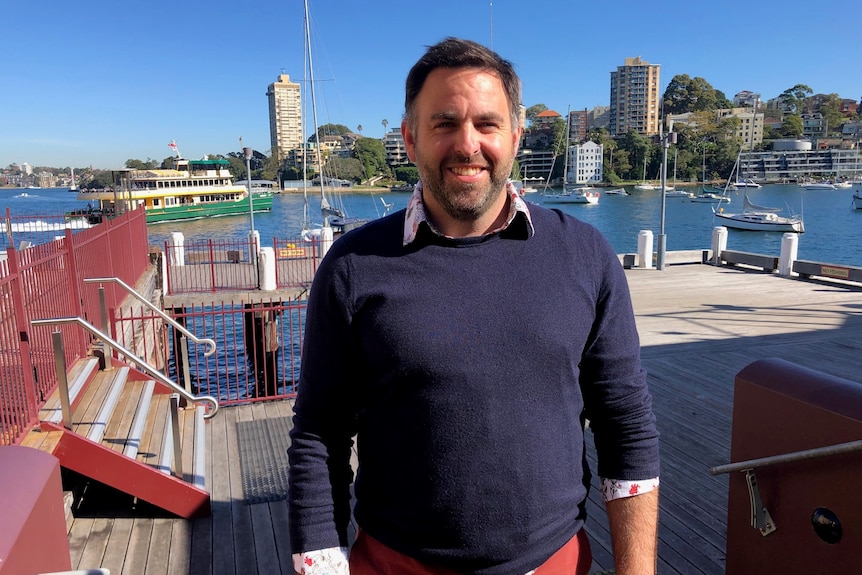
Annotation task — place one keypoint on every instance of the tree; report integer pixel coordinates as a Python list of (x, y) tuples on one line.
[(534, 111), (686, 94), (516, 171), (385, 123), (237, 165), (559, 139), (150, 164), (603, 137), (408, 174), (101, 179), (329, 130), (792, 99), (359, 129), (371, 153), (346, 168), (830, 108), (638, 150), (792, 126)]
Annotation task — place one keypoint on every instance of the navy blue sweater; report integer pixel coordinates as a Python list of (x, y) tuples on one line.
[(465, 368)]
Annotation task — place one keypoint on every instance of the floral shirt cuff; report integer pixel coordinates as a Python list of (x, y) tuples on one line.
[(331, 561), (617, 488)]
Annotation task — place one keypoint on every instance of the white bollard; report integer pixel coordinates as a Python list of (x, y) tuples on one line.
[(164, 265), (178, 252), (645, 249), (326, 239), (254, 240), (719, 243), (789, 249), (266, 269)]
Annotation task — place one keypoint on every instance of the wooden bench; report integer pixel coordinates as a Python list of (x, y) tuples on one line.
[(767, 263), (807, 269)]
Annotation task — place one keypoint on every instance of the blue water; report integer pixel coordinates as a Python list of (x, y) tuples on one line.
[(833, 229)]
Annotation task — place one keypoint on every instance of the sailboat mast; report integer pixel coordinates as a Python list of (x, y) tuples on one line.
[(323, 203), (566, 149)]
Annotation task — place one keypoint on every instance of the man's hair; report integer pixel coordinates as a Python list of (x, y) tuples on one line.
[(458, 53)]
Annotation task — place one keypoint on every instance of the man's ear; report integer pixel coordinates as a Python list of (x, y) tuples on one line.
[(409, 140)]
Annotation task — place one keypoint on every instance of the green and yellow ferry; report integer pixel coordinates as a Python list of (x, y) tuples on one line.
[(192, 189)]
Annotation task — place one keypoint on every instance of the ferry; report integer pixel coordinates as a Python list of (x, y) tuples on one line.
[(192, 189)]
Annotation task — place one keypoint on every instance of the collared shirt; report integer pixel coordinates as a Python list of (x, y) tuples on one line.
[(334, 560), (415, 214)]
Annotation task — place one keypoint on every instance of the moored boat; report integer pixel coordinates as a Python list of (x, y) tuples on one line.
[(711, 198), (579, 195), (760, 219), (646, 187), (857, 200), (674, 193), (818, 185), (747, 183), (192, 189)]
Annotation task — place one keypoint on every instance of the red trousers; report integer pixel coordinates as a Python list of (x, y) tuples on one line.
[(370, 557)]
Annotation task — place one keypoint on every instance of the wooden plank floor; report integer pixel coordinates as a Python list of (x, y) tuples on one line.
[(699, 326)]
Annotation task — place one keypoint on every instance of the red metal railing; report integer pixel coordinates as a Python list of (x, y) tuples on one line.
[(46, 281), (258, 344), (210, 266), (296, 261), (258, 349)]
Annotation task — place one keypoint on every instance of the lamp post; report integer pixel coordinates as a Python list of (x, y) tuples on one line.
[(666, 141)]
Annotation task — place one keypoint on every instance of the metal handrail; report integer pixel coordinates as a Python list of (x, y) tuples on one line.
[(146, 367), (836, 449), (211, 343)]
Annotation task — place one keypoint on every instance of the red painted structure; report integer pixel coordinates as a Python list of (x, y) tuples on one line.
[(33, 527), (780, 408), (46, 281)]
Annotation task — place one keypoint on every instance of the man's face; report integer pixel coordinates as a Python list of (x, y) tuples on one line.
[(463, 142)]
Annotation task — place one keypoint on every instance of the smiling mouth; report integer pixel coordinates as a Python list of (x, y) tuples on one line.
[(465, 170)]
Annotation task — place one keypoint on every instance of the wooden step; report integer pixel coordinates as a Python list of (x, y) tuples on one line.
[(78, 377), (122, 436)]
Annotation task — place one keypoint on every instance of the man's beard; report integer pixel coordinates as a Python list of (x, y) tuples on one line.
[(464, 201)]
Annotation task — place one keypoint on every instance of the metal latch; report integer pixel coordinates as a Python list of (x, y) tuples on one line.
[(760, 518)]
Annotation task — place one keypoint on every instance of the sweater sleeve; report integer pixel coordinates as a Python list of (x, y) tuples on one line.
[(324, 419), (617, 401)]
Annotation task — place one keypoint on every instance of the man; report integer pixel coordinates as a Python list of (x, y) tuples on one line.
[(465, 341)]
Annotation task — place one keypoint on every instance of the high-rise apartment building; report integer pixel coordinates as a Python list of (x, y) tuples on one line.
[(635, 98), (578, 126), (285, 115)]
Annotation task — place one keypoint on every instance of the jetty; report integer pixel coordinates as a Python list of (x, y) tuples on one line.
[(699, 326)]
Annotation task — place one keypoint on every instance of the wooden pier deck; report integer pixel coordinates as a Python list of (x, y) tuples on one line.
[(699, 326)]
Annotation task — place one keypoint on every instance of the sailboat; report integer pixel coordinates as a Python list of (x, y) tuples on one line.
[(334, 218), (760, 218), (645, 186), (757, 218), (73, 187), (574, 195), (672, 192), (705, 196)]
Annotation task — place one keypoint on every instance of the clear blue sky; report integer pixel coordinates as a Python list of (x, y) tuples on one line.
[(94, 82)]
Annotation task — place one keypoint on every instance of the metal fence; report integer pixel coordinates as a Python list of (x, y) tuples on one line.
[(46, 281), (23, 229), (258, 348), (212, 266)]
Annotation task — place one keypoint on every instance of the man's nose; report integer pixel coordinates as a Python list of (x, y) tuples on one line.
[(467, 142)]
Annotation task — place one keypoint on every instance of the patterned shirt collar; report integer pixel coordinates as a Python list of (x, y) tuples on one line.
[(415, 213)]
